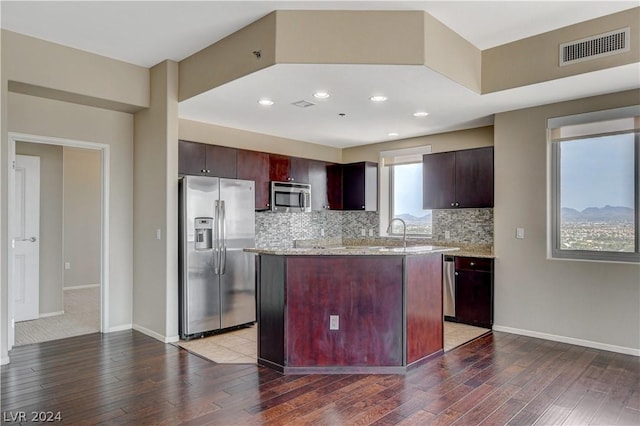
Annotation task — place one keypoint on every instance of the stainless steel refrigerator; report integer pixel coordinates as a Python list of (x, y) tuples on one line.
[(217, 278)]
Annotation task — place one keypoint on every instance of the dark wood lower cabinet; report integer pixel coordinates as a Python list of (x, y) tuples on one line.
[(389, 310), (474, 291)]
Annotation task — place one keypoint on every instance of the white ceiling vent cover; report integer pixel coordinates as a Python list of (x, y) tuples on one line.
[(593, 47), (303, 104)]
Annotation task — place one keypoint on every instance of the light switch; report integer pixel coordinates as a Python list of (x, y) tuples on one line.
[(158, 234), (334, 322), (520, 233)]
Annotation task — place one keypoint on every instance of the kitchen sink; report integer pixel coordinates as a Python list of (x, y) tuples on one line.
[(410, 249)]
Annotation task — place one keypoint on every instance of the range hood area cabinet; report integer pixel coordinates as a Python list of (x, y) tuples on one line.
[(458, 179), (353, 186)]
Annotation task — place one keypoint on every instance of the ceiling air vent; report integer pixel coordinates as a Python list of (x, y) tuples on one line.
[(303, 104), (595, 46)]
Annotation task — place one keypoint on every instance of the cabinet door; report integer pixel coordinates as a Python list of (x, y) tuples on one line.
[(438, 180), (253, 165), (473, 297), (334, 187), (191, 158), (221, 161), (279, 167), (299, 170), (474, 177), (353, 189), (319, 185)]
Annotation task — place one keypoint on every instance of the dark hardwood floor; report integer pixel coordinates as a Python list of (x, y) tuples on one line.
[(129, 378)]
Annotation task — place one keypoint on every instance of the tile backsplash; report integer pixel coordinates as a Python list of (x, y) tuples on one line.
[(280, 230)]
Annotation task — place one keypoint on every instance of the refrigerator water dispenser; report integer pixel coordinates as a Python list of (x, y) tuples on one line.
[(203, 233)]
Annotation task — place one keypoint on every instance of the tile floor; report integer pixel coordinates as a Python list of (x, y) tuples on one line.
[(234, 347), (240, 346)]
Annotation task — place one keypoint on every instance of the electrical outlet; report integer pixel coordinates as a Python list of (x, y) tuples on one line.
[(334, 322), (67, 265), (371, 232), (158, 234), (363, 232), (322, 232), (447, 235)]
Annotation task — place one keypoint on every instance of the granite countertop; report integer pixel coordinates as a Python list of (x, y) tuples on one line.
[(353, 250), (379, 246)]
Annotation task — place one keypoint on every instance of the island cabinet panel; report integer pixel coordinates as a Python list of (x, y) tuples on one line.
[(424, 306), (366, 294), (271, 304)]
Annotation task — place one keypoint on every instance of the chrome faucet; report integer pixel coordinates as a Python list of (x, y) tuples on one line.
[(404, 230)]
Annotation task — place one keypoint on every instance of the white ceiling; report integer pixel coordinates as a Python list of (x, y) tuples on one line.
[(148, 32)]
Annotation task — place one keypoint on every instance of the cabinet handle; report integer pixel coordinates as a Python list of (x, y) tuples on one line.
[(472, 263), (455, 273), (203, 171), (452, 204), (208, 171)]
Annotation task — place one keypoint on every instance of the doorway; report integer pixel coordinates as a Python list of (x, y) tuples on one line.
[(84, 302)]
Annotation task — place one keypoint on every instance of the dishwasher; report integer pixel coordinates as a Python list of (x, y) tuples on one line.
[(448, 287)]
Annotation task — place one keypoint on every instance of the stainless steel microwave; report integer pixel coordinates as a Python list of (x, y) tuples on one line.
[(290, 197)]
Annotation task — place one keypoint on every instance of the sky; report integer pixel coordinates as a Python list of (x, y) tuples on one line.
[(597, 172), (408, 190)]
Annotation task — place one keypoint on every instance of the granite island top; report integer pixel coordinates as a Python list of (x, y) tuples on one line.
[(353, 250), (379, 246)]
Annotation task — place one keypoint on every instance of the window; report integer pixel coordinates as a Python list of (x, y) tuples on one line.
[(406, 200), (595, 189)]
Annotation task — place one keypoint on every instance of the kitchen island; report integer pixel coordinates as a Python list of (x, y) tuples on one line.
[(349, 309)]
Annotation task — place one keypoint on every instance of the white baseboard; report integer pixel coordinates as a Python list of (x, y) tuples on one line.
[(570, 340), (78, 287), (51, 314), (120, 328), (155, 335)]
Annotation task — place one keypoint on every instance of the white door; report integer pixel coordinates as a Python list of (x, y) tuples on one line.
[(26, 239)]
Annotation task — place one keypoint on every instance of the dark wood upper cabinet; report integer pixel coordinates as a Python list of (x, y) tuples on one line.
[(353, 186), (317, 171), (334, 186), (206, 160), (288, 169), (279, 167), (299, 170), (458, 179), (254, 165)]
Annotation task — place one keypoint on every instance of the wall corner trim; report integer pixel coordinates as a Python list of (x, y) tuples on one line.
[(155, 335), (119, 328), (569, 340)]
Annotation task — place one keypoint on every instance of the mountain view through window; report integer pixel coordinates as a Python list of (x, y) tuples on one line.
[(597, 194)]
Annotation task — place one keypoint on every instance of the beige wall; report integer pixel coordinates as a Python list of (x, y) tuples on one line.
[(37, 116), (43, 69), (451, 141), (155, 293), (590, 301), (217, 135), (51, 211), (535, 59), (82, 214)]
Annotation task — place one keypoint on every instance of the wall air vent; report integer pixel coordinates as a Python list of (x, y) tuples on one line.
[(596, 46), (303, 104)]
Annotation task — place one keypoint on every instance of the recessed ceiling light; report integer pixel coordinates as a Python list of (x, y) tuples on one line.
[(321, 94), (393, 134), (265, 102), (378, 98), (420, 114)]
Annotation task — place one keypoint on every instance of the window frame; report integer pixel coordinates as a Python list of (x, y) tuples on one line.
[(391, 206), (555, 197)]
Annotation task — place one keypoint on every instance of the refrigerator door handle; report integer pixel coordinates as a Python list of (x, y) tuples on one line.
[(223, 240), (216, 238)]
